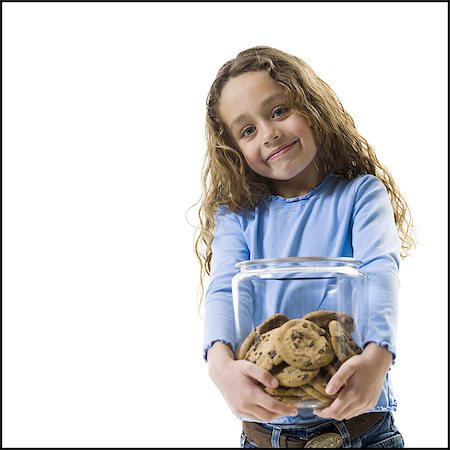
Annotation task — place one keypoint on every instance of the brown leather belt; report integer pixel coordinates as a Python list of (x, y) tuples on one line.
[(356, 426)]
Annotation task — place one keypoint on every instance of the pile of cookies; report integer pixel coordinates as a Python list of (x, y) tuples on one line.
[(302, 354)]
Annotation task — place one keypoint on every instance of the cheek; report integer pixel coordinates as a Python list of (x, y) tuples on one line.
[(251, 154), (307, 138), (300, 127)]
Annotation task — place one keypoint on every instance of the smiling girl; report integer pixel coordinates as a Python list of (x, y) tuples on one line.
[(278, 136)]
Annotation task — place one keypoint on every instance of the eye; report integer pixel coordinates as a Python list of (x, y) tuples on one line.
[(247, 131), (279, 111)]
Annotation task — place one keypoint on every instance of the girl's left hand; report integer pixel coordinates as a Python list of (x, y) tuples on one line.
[(359, 380)]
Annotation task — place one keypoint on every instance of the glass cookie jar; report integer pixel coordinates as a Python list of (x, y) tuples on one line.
[(300, 319)]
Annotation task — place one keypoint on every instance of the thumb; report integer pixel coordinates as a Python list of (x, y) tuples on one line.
[(339, 379)]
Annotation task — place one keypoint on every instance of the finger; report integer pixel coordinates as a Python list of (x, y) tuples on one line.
[(349, 412), (268, 402), (261, 375), (333, 410), (342, 408), (350, 405), (340, 378), (262, 414), (278, 407), (250, 415)]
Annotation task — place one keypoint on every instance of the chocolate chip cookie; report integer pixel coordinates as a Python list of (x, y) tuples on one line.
[(291, 376), (324, 317), (325, 399), (303, 344), (342, 342), (286, 391), (274, 321), (263, 352)]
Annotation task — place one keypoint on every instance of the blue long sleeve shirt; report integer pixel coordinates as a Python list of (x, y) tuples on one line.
[(338, 218)]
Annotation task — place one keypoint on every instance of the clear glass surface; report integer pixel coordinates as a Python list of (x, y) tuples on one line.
[(333, 288)]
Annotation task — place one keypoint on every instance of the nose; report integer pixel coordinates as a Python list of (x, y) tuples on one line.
[(270, 134)]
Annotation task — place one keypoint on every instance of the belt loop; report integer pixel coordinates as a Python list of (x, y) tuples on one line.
[(276, 432), (345, 434)]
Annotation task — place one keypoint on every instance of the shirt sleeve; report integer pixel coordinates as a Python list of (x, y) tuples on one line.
[(228, 248), (376, 243)]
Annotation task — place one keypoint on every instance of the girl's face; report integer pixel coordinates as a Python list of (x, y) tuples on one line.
[(276, 141)]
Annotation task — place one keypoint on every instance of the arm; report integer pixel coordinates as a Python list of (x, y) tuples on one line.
[(228, 248), (239, 381), (375, 242)]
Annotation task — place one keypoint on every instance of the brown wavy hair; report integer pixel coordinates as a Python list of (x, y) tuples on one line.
[(228, 180)]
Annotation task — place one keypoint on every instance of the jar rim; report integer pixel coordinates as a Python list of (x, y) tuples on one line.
[(300, 261)]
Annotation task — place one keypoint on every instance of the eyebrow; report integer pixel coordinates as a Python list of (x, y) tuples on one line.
[(263, 103)]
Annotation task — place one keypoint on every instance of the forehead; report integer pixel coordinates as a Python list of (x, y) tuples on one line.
[(246, 94)]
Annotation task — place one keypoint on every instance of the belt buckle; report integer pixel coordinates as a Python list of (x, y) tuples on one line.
[(326, 440)]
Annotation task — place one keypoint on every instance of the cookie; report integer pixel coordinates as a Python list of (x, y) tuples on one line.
[(291, 376), (342, 342), (330, 369), (274, 321), (246, 344), (263, 352), (316, 394), (286, 391), (303, 344), (324, 317), (319, 384)]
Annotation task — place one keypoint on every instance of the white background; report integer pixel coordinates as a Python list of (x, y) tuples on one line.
[(103, 139)]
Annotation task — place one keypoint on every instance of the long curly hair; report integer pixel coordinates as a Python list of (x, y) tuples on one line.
[(228, 180)]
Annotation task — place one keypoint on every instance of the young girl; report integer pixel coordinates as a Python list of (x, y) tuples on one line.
[(287, 174)]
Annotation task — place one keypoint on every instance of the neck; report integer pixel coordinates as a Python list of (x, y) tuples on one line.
[(300, 184)]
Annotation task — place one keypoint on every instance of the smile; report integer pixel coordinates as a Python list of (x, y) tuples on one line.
[(280, 151)]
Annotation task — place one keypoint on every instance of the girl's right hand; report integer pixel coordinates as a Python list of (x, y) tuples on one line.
[(240, 382)]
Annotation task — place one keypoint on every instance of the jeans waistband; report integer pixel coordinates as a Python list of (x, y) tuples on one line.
[(264, 437)]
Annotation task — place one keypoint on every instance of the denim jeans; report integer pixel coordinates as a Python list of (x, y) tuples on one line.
[(384, 434)]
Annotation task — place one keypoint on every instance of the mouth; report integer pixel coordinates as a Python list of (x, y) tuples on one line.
[(278, 152)]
